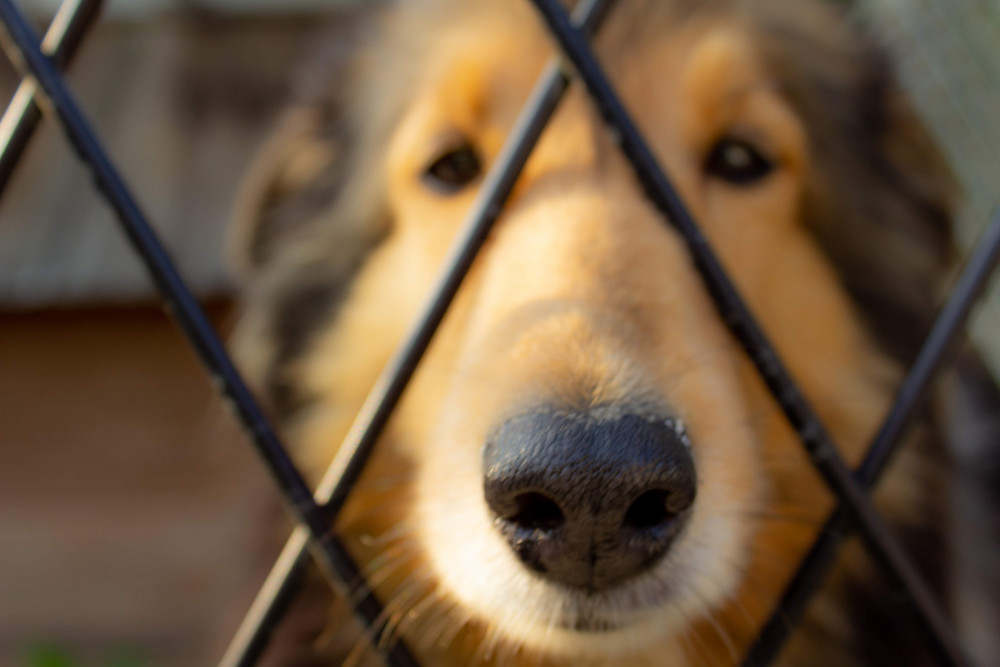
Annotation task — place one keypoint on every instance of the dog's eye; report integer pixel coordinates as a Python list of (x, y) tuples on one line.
[(737, 161), (454, 169)]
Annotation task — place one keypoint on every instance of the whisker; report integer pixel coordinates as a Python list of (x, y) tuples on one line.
[(492, 643), (505, 652), (703, 654), (726, 638), (443, 607), (421, 614), (361, 646), (398, 531), (390, 483), (379, 577), (381, 560), (451, 632), (373, 508), (393, 627), (366, 641), (479, 655)]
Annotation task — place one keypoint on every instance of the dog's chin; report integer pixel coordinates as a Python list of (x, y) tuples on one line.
[(477, 571), (624, 621), (615, 615), (596, 637)]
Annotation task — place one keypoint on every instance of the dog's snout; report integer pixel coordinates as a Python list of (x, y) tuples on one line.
[(589, 502)]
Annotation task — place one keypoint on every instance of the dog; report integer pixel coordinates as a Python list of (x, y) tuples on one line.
[(586, 469)]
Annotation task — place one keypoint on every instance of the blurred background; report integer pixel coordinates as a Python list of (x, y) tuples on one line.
[(130, 507)]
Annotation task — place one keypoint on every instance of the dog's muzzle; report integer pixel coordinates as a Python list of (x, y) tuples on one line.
[(589, 502)]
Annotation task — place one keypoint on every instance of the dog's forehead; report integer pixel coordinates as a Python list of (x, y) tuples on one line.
[(488, 50)]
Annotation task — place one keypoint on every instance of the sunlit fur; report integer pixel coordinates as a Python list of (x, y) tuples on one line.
[(585, 299)]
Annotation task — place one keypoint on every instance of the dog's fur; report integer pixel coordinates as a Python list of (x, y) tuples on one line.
[(584, 300)]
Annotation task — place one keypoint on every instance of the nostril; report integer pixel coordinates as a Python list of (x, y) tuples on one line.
[(588, 501), (536, 512), (649, 510)]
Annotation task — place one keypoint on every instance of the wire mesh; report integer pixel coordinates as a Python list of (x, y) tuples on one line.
[(877, 534), (61, 41), (946, 330), (385, 395), (24, 50), (38, 64)]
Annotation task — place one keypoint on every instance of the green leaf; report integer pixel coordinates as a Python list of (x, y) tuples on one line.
[(48, 656)]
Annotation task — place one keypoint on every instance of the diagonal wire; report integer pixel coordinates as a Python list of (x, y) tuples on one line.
[(23, 48), (878, 536), (947, 327), (61, 41), (872, 462), (280, 585)]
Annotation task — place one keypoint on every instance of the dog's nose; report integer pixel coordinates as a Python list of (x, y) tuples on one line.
[(589, 502)]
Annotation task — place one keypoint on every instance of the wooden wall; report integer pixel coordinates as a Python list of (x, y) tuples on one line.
[(133, 516), (130, 506)]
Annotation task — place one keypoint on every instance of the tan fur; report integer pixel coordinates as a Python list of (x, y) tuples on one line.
[(583, 299)]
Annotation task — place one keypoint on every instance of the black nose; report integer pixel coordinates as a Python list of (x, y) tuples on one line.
[(589, 502)]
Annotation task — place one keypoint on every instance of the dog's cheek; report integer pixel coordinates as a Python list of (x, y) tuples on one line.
[(474, 566), (716, 548)]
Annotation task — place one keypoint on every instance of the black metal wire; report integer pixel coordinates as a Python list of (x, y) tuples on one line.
[(22, 116), (61, 41), (23, 49), (734, 312), (948, 326), (279, 588)]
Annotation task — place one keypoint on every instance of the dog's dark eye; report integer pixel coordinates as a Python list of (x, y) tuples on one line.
[(453, 170), (737, 161)]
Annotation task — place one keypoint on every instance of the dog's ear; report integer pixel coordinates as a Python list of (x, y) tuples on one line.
[(879, 195), (905, 196), (301, 167), (297, 163), (311, 210)]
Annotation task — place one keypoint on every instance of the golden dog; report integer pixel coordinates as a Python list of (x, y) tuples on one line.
[(586, 469)]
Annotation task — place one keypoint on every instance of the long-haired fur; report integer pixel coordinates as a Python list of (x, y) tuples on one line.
[(335, 267)]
